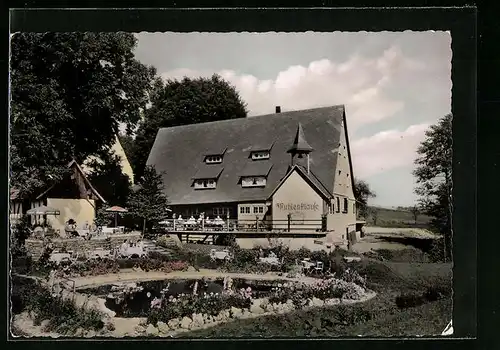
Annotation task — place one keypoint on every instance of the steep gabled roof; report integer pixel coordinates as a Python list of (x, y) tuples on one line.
[(257, 168), (312, 180), (178, 152), (73, 163), (208, 172)]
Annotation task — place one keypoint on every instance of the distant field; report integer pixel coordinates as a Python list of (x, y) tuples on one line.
[(397, 218)]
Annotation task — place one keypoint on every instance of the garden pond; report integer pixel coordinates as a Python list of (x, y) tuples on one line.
[(130, 299)]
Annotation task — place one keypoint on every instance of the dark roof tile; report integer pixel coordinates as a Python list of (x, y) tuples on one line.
[(178, 151), (208, 172), (257, 168)]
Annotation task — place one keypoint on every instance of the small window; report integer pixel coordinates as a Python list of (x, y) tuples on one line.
[(205, 184), (260, 155), (247, 210), (345, 205), (242, 210), (338, 205), (255, 210), (213, 159), (261, 210)]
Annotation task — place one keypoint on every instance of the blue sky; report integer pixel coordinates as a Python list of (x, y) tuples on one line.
[(393, 84)]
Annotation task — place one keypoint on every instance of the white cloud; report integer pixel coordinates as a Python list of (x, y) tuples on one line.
[(359, 83), (386, 150)]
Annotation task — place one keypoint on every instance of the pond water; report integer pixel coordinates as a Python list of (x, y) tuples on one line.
[(138, 303)]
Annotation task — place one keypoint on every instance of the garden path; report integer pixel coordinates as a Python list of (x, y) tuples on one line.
[(141, 276)]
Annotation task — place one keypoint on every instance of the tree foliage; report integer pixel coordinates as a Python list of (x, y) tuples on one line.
[(149, 202), (108, 178), (362, 193), (434, 176), (181, 102), (69, 92), (415, 211)]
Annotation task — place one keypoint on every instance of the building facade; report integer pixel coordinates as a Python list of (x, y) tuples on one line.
[(74, 197), (289, 172)]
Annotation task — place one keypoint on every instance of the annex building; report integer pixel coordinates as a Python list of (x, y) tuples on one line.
[(272, 168)]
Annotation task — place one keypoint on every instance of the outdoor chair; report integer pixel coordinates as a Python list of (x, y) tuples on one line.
[(318, 269)]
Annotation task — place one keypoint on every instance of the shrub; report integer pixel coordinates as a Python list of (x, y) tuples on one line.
[(187, 305), (63, 315), (410, 300), (351, 315), (225, 239)]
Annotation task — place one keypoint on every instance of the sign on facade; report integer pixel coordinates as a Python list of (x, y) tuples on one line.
[(298, 206)]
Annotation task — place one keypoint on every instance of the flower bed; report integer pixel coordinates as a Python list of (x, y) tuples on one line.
[(192, 311), (107, 266), (188, 305)]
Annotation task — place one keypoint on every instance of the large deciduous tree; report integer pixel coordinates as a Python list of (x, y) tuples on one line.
[(434, 177), (69, 93), (362, 193), (108, 178), (180, 102), (149, 202)]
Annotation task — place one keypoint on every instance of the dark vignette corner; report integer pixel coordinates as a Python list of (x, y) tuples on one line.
[(461, 23)]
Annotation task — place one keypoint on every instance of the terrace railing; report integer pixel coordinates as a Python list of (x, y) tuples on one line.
[(249, 225)]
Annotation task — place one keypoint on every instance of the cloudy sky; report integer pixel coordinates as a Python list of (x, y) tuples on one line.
[(393, 84)]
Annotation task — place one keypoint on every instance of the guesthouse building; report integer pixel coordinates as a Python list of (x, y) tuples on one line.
[(290, 171)]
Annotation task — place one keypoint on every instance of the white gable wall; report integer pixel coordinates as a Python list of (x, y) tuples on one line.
[(296, 197), (338, 221)]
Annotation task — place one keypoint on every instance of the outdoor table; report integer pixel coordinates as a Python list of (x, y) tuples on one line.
[(109, 229), (99, 253), (134, 251), (83, 232), (272, 260), (58, 257)]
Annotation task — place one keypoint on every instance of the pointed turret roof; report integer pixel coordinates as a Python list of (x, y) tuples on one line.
[(300, 144)]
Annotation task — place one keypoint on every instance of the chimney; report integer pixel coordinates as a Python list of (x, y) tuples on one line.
[(278, 109)]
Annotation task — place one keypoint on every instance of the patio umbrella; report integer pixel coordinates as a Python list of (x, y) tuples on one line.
[(43, 210), (116, 209)]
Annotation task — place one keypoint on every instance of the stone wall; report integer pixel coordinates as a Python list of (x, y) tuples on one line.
[(78, 245)]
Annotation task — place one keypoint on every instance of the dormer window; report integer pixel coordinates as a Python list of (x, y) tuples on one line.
[(206, 177), (214, 155), (255, 174), (216, 159), (203, 184), (253, 181), (258, 155)]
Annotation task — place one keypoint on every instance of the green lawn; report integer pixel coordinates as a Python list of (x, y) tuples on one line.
[(397, 218), (377, 317)]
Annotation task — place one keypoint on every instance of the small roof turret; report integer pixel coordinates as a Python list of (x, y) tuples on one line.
[(300, 144)]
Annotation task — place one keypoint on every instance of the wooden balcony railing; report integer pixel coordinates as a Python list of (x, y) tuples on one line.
[(256, 225)]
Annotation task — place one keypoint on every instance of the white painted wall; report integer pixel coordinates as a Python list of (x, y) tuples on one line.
[(80, 210), (339, 222), (295, 196), (251, 214)]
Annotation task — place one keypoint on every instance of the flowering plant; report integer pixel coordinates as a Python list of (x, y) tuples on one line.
[(187, 305)]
